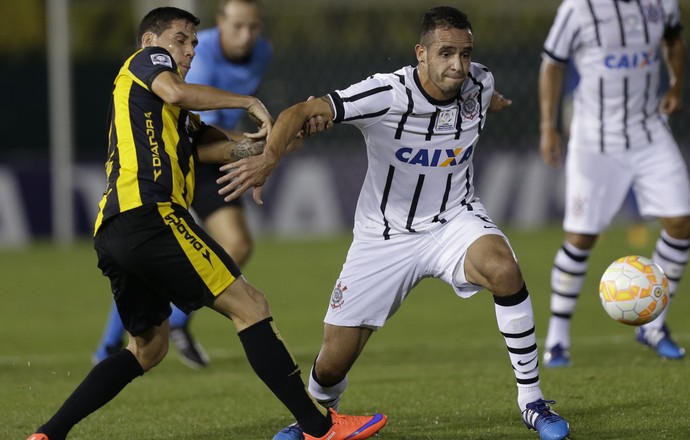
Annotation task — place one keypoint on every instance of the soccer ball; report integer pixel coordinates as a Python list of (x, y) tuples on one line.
[(634, 290)]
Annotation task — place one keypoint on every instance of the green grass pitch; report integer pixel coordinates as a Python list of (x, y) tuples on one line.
[(439, 368)]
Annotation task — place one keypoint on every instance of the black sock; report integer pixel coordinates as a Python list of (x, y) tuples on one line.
[(274, 364), (103, 383)]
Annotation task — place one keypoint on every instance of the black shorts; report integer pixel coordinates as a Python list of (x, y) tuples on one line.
[(155, 255), (206, 198)]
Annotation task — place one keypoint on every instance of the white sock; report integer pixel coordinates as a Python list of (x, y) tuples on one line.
[(328, 397)]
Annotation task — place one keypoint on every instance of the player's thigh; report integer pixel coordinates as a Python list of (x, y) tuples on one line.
[(140, 307), (195, 269), (474, 253), (375, 279), (596, 185), (170, 257), (662, 185), (491, 264)]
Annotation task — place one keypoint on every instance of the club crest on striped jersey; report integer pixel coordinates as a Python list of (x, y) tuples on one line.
[(446, 119), (652, 12), (470, 107)]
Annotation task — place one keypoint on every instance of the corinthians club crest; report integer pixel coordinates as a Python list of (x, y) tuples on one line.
[(337, 299), (470, 107)]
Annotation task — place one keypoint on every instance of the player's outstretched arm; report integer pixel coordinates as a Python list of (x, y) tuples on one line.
[(550, 86), (175, 91), (218, 146), (252, 172)]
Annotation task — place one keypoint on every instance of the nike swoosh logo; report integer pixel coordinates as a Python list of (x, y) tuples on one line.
[(522, 364), (490, 227), (374, 420)]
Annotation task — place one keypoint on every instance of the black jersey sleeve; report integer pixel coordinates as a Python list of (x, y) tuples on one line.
[(150, 62)]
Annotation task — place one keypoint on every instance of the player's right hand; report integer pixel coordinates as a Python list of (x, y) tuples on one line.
[(314, 125), (246, 173)]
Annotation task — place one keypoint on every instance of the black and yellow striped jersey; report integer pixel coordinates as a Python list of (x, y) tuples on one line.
[(150, 152)]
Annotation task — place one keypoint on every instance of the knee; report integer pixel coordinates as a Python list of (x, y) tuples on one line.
[(581, 241), (150, 355), (677, 227), (243, 304), (504, 277), (240, 248)]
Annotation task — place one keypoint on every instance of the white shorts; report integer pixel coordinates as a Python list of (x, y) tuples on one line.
[(597, 184), (379, 274)]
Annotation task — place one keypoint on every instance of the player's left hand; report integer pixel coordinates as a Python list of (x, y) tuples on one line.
[(258, 113), (499, 102)]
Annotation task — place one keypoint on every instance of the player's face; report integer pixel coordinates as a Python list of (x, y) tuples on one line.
[(240, 26), (444, 63), (179, 39)]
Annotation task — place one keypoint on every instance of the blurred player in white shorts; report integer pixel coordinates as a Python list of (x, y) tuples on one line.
[(619, 141), (597, 185)]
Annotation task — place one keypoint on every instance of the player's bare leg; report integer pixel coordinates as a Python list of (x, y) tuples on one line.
[(228, 226), (490, 262), (275, 366), (340, 349), (671, 254)]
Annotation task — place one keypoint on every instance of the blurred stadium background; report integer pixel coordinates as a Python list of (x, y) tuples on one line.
[(320, 45)]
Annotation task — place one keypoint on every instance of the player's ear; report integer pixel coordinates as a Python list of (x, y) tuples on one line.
[(420, 52), (148, 39)]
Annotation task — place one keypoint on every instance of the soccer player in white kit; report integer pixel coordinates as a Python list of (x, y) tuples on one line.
[(417, 215), (620, 140)]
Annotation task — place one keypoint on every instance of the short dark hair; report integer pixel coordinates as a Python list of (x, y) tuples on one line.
[(444, 17), (160, 19)]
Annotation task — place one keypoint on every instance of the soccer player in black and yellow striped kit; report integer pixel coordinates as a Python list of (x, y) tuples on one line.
[(152, 250)]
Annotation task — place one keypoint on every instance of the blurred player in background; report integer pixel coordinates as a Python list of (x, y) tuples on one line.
[(153, 251), (619, 140), (417, 215), (231, 56)]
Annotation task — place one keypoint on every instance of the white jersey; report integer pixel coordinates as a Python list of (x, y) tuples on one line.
[(616, 47), (419, 149)]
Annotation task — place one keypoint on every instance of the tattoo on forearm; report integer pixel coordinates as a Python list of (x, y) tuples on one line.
[(246, 148)]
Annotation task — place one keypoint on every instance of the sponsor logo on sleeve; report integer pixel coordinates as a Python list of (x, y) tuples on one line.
[(161, 59)]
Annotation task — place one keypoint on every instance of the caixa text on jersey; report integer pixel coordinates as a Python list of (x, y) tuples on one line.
[(632, 60), (434, 158)]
